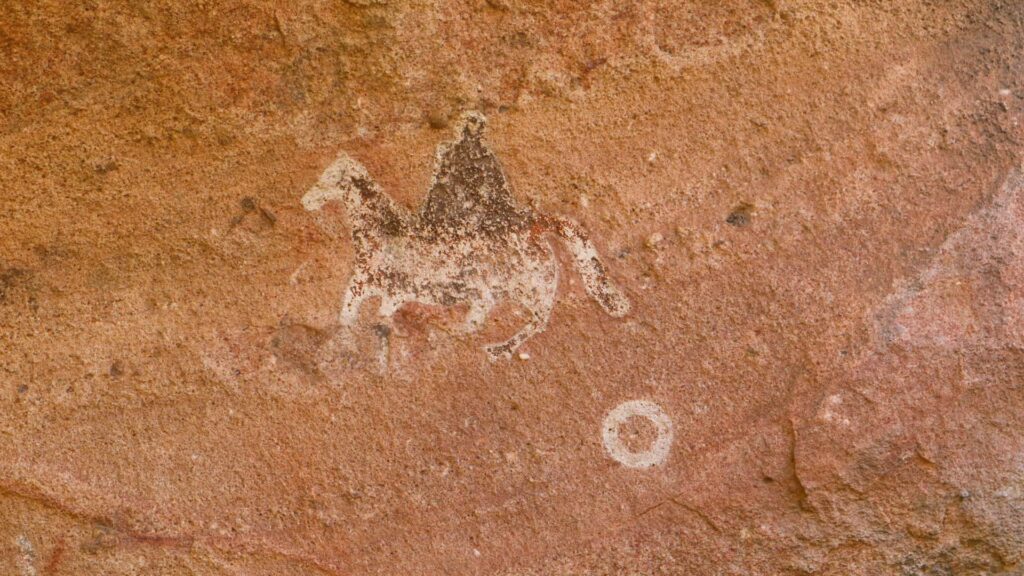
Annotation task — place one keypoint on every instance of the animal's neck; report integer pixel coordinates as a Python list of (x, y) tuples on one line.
[(376, 215)]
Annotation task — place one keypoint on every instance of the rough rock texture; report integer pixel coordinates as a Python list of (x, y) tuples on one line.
[(814, 208)]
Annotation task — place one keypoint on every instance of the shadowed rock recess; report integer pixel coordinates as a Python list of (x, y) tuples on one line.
[(370, 287)]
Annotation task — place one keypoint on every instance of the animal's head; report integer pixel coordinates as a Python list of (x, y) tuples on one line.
[(340, 181)]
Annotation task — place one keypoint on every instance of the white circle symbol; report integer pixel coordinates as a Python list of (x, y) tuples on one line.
[(658, 451)]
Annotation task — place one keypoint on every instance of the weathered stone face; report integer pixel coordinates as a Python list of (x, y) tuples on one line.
[(780, 244)]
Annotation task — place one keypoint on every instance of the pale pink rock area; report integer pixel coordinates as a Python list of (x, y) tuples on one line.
[(815, 211)]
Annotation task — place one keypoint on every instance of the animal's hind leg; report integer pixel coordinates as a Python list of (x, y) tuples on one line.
[(384, 330), (540, 311), (477, 315)]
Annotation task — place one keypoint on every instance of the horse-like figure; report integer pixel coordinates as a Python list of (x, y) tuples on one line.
[(469, 243)]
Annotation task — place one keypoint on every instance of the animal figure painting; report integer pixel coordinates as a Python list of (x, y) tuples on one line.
[(469, 243)]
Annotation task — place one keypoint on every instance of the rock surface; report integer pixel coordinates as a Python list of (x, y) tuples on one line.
[(815, 210)]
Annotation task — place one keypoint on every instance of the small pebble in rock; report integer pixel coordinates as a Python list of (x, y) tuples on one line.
[(437, 119)]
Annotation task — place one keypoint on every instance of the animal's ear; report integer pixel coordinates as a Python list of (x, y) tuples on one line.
[(346, 169)]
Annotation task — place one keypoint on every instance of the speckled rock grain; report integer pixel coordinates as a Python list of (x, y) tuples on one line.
[(814, 208)]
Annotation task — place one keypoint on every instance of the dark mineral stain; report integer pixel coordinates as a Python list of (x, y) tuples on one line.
[(740, 215), (250, 205), (9, 278), (268, 216), (106, 166)]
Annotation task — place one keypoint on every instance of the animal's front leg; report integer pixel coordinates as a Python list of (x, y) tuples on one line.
[(353, 299)]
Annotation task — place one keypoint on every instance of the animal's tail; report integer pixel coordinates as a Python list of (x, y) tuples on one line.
[(589, 265)]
